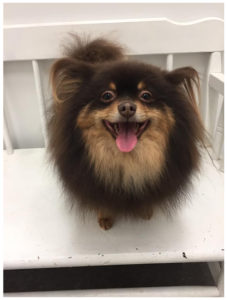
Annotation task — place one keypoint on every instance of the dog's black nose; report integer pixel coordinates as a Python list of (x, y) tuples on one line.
[(127, 109)]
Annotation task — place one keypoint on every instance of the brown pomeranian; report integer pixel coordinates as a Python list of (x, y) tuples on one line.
[(124, 135)]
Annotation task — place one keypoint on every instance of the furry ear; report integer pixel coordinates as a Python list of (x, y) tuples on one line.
[(66, 77), (188, 78)]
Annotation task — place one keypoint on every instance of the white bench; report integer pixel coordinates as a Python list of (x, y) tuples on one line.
[(41, 231)]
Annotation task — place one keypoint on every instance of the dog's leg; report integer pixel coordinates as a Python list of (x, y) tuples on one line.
[(105, 219)]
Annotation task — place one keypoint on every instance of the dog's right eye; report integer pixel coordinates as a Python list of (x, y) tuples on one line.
[(145, 96), (108, 96)]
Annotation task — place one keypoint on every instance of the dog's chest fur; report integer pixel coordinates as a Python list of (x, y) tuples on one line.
[(131, 171)]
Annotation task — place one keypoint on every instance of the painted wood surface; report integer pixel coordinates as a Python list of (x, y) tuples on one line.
[(140, 36)]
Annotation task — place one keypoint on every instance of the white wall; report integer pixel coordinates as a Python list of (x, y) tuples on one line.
[(20, 100)]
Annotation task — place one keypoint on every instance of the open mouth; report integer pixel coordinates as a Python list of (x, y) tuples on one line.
[(126, 133)]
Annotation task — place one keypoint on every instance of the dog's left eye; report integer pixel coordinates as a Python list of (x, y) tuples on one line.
[(108, 96), (145, 96)]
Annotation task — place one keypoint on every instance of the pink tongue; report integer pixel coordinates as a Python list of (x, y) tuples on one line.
[(126, 139)]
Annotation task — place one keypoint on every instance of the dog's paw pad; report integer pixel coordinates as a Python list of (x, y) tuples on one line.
[(105, 223)]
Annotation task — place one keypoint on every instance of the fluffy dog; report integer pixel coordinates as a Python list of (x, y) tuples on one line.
[(124, 135)]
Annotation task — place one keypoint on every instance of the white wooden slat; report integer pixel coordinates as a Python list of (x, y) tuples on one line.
[(204, 105), (213, 65), (153, 36), (219, 107), (219, 141), (215, 106), (7, 140), (215, 269), (171, 291), (41, 100), (216, 81), (219, 134), (221, 281), (169, 62), (221, 164)]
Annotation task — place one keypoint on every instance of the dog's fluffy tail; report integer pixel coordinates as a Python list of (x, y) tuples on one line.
[(95, 51)]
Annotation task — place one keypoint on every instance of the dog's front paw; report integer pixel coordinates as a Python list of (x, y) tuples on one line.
[(105, 223)]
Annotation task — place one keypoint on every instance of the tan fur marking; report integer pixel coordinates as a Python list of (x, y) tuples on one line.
[(83, 121), (140, 85), (144, 163), (112, 86), (86, 120)]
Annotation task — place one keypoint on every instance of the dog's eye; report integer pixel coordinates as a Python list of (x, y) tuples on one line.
[(108, 96), (145, 96)]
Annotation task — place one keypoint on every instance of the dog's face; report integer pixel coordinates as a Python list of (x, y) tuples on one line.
[(126, 107), (126, 113)]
